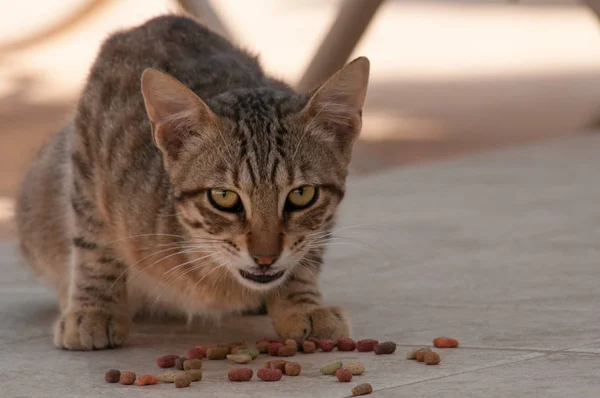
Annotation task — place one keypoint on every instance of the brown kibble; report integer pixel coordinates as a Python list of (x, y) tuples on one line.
[(112, 376), (388, 347), (432, 358), (166, 361), (239, 358), (308, 347), (346, 344), (362, 389), (273, 349), (182, 381), (343, 375), (445, 342), (366, 345), (146, 380), (127, 378), (196, 353), (276, 364), (262, 346), (287, 350), (292, 368), (194, 374), (356, 368), (269, 374), (179, 362), (420, 354), (192, 364), (240, 374), (217, 352)]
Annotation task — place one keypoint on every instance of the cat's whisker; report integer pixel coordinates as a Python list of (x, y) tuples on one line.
[(184, 272), (186, 263)]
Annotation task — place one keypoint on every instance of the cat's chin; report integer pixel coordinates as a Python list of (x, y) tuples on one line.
[(261, 281)]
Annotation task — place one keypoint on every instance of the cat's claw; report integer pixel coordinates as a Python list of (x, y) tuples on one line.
[(91, 329), (321, 322)]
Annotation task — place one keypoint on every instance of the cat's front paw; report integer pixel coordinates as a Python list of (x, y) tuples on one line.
[(320, 322), (91, 329)]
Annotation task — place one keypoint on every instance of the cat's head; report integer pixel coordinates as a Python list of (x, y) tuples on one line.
[(258, 174)]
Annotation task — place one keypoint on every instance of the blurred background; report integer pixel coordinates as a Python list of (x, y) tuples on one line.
[(448, 77)]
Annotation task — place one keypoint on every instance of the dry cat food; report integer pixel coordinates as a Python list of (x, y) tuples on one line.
[(166, 361), (346, 344), (366, 345), (445, 342), (196, 353), (127, 378), (194, 374), (146, 380), (273, 349), (326, 345), (179, 362), (240, 374), (432, 358), (287, 350), (356, 368), (343, 375), (420, 354), (277, 364), (203, 348), (167, 377), (182, 381), (308, 347), (247, 351), (269, 374), (292, 368), (261, 346), (388, 347), (412, 353), (217, 352), (192, 364), (331, 368), (112, 376), (362, 389), (239, 358)]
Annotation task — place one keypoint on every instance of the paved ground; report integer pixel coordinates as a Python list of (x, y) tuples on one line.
[(499, 250)]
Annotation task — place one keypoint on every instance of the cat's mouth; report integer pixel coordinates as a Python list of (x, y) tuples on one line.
[(262, 278)]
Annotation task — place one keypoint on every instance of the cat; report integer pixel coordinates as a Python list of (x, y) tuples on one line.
[(192, 183)]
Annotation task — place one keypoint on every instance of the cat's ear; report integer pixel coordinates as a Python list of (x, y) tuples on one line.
[(335, 109), (176, 112)]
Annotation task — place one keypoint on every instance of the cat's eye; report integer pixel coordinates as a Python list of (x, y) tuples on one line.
[(301, 198), (225, 200)]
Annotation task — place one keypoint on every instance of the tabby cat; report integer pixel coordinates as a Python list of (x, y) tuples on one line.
[(190, 182)]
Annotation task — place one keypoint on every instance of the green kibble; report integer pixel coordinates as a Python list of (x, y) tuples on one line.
[(248, 351), (331, 368)]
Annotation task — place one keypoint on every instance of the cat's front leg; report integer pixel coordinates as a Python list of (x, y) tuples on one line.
[(96, 315), (297, 310)]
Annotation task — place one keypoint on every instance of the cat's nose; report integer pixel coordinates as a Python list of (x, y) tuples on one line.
[(265, 262)]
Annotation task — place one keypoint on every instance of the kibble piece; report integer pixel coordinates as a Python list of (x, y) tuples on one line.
[(182, 381), (236, 344), (366, 345), (308, 347), (196, 353), (331, 368), (192, 364), (179, 362), (343, 375), (269, 374), (203, 348), (239, 358), (166, 361), (127, 378), (146, 380), (420, 354), (240, 374), (412, 353), (432, 358), (445, 342), (356, 368), (362, 389), (326, 345), (273, 349), (346, 344), (290, 342), (276, 364), (217, 352), (221, 346), (166, 377), (248, 351), (112, 376), (292, 368), (388, 347), (261, 346), (194, 374), (287, 350)]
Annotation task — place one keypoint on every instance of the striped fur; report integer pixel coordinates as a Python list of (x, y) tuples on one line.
[(115, 212)]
